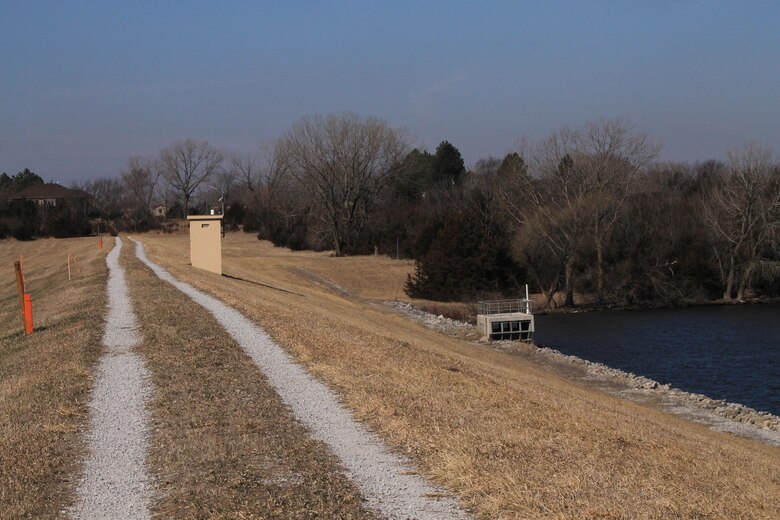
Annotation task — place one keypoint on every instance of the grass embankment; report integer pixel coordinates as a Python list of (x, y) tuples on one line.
[(223, 444), (45, 378), (514, 440)]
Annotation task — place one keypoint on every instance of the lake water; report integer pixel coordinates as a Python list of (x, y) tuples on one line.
[(726, 352)]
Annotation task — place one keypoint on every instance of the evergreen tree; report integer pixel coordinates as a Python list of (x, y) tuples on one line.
[(468, 258), (512, 165), (23, 179), (448, 166), (414, 176)]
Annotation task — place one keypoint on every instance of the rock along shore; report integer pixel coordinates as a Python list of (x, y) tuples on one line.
[(720, 415)]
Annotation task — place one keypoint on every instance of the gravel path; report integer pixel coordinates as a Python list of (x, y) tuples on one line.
[(386, 480), (116, 484)]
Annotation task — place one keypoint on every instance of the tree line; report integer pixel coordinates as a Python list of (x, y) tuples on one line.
[(584, 215)]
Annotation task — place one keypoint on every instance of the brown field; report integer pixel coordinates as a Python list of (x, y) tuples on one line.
[(512, 439), (45, 378)]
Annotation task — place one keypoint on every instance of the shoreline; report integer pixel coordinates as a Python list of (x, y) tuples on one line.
[(585, 307), (717, 414)]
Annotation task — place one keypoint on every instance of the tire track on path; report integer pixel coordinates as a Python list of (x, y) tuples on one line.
[(222, 443), (387, 480), (116, 483)]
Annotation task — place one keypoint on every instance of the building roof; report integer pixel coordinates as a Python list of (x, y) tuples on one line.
[(49, 191)]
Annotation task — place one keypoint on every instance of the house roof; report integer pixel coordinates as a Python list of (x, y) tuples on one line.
[(50, 191)]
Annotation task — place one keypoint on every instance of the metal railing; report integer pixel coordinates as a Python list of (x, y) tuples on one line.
[(504, 306)]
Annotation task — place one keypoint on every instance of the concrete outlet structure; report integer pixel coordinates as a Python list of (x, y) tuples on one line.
[(506, 319), (206, 242)]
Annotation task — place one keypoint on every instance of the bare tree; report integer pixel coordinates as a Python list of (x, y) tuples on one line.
[(343, 161), (261, 171), (187, 164), (487, 166), (246, 170), (140, 179), (609, 157), (535, 246), (169, 197), (551, 201), (274, 168), (271, 180), (220, 189), (742, 215), (579, 182), (107, 196)]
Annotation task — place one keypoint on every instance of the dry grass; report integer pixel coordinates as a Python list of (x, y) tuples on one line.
[(45, 378), (466, 312), (223, 444), (513, 439), (371, 277)]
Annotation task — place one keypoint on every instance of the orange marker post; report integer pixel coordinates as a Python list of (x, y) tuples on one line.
[(20, 288), (100, 242), (28, 318)]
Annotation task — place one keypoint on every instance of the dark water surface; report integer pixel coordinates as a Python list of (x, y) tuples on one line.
[(726, 352)]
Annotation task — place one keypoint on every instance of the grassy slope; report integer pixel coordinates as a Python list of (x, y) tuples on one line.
[(223, 443), (45, 378), (513, 439)]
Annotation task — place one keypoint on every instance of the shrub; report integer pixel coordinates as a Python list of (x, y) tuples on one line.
[(467, 259), (23, 231)]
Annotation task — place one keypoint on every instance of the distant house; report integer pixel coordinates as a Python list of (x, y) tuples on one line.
[(159, 211), (50, 194)]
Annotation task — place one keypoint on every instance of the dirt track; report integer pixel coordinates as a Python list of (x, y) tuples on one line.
[(388, 482), (223, 443), (116, 481)]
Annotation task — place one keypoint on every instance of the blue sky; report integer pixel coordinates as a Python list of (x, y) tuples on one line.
[(85, 85)]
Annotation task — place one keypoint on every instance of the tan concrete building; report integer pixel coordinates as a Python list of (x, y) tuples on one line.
[(206, 242)]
